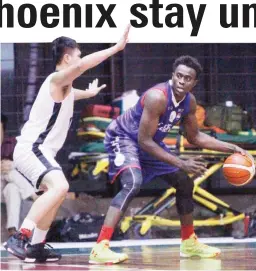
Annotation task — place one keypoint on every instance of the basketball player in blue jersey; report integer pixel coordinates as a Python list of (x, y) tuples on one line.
[(41, 138), (137, 155)]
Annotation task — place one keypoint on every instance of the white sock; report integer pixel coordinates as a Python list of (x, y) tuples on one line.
[(28, 224), (38, 236)]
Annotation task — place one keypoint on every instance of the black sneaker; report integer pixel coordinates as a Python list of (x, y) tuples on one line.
[(16, 245), (40, 253)]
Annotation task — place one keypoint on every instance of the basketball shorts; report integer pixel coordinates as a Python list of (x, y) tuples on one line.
[(34, 165), (124, 152)]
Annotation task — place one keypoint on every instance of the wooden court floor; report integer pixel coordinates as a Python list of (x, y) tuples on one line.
[(147, 255)]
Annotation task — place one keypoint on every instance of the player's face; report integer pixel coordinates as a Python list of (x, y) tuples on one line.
[(183, 80), (74, 56)]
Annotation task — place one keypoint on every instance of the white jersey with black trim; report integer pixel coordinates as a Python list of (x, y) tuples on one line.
[(48, 123)]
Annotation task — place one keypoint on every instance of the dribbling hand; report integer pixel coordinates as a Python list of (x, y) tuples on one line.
[(244, 152)]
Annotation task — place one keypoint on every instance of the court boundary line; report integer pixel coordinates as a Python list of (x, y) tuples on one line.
[(150, 242), (99, 267)]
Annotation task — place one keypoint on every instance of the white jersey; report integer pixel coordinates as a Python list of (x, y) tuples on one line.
[(48, 123)]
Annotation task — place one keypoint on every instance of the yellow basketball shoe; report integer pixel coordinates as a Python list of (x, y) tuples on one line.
[(101, 254), (192, 247)]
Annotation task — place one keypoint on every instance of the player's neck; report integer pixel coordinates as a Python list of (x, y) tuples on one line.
[(178, 98), (60, 67)]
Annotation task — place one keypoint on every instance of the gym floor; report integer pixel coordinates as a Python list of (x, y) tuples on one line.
[(148, 255)]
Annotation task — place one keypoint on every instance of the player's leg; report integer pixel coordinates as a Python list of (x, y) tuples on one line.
[(131, 180), (39, 251), (123, 163), (56, 188), (26, 189), (190, 246), (13, 203)]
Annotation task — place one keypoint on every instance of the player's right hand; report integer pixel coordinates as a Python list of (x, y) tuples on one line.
[(124, 39), (194, 165)]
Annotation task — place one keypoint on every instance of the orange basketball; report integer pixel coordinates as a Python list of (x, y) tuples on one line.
[(238, 169)]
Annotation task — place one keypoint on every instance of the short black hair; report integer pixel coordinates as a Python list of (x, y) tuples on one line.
[(4, 120), (60, 46), (190, 62)]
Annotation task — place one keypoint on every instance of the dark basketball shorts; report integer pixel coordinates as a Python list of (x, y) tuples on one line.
[(124, 152)]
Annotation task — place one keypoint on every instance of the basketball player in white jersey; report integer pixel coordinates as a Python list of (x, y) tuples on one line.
[(42, 137)]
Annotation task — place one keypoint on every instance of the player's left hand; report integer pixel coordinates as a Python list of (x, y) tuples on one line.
[(93, 88)]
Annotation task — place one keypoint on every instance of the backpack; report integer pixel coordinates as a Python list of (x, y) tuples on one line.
[(228, 118), (82, 227), (247, 228)]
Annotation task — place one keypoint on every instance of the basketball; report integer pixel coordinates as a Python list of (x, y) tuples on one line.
[(238, 169)]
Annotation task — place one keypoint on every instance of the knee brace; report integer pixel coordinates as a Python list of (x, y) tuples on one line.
[(184, 191), (131, 181), (184, 194)]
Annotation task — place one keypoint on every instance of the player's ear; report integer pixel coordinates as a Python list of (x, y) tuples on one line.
[(66, 58), (195, 83)]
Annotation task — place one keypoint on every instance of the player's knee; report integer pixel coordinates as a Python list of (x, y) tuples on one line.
[(59, 189), (131, 191), (185, 184), (184, 194), (135, 189), (63, 188), (55, 180), (131, 181)]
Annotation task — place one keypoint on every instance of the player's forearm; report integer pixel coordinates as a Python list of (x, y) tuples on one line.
[(155, 150), (205, 141), (66, 76), (96, 58)]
